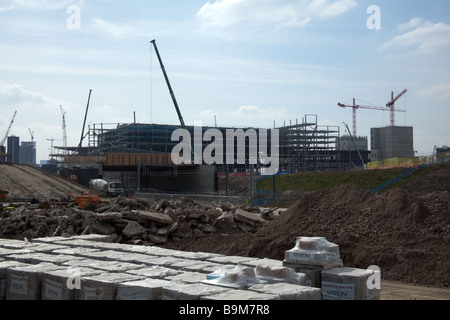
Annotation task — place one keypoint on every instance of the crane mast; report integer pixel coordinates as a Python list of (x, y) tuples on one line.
[(84, 123), (172, 94), (391, 105), (7, 131), (31, 134), (64, 129)]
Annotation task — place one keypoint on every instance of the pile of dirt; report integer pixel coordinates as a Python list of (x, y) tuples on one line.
[(404, 231), (24, 181), (406, 236)]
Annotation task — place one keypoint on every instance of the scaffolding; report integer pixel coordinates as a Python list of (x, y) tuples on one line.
[(308, 146), (305, 146)]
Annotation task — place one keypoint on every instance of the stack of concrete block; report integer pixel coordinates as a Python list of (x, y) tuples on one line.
[(287, 291), (239, 295), (109, 271), (25, 282), (64, 284), (314, 252), (104, 286), (4, 265), (310, 256), (240, 277), (193, 291), (187, 277), (155, 272), (349, 284), (279, 274), (147, 289), (320, 261)]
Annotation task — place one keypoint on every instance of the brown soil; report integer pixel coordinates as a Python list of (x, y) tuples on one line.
[(405, 231), (22, 181)]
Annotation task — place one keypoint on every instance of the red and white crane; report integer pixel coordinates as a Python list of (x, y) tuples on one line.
[(390, 105)]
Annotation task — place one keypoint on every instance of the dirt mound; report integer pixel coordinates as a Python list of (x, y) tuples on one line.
[(406, 236), (436, 178), (23, 181), (405, 231)]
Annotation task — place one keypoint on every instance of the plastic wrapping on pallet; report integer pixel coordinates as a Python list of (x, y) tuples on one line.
[(241, 277), (279, 274), (147, 289), (287, 291), (314, 252), (25, 282), (3, 275), (192, 291), (350, 284)]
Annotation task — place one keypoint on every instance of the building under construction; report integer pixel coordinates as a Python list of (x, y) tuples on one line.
[(308, 146), (144, 150)]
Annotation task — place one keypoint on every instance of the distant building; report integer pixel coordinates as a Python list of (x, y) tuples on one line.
[(392, 142), (3, 154), (13, 149), (28, 153), (347, 144)]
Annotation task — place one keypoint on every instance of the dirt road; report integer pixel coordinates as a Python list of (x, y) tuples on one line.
[(391, 290), (27, 181)]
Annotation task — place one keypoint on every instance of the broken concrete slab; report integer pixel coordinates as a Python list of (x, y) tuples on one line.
[(146, 216), (133, 229)]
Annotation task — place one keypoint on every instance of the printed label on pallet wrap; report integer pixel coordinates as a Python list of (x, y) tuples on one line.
[(299, 256), (93, 293), (52, 290), (338, 291), (19, 284)]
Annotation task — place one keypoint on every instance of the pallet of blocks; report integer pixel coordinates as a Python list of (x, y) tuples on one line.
[(351, 284), (312, 255), (320, 261)]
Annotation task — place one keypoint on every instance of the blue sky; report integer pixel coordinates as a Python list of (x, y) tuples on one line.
[(245, 63)]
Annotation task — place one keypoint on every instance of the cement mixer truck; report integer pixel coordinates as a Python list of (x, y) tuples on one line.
[(109, 189)]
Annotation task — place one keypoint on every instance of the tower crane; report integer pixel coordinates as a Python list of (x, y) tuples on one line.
[(31, 134), (2, 143), (391, 105), (355, 107), (64, 130)]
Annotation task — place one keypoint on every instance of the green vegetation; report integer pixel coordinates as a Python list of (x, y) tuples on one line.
[(315, 181)]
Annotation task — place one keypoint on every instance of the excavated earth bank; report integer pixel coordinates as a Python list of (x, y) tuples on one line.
[(404, 231)]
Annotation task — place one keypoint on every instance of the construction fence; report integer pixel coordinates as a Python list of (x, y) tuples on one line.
[(409, 162)]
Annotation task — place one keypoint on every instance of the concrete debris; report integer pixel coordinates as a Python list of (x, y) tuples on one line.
[(132, 220)]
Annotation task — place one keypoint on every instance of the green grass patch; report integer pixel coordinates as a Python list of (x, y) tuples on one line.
[(316, 181)]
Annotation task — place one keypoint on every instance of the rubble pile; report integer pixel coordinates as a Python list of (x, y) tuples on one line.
[(131, 220)]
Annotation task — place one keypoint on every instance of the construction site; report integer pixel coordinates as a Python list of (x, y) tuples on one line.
[(138, 226)]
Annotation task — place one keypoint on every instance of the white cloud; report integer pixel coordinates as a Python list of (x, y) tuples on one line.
[(111, 29), (411, 24), (440, 92), (35, 4), (254, 114), (276, 13), (17, 95), (422, 37)]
